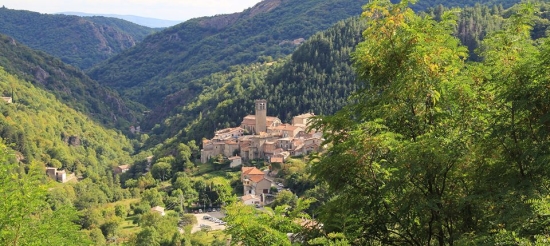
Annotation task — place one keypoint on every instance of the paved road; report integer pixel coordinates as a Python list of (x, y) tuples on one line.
[(200, 220)]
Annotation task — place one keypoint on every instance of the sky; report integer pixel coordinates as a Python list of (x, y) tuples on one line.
[(160, 9)]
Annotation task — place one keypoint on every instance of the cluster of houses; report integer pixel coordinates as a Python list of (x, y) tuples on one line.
[(268, 138)]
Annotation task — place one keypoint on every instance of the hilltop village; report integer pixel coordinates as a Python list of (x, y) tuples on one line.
[(263, 137)]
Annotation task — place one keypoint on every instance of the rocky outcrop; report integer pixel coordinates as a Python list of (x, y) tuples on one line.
[(222, 21)]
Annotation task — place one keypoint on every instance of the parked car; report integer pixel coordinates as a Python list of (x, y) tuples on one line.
[(206, 217)]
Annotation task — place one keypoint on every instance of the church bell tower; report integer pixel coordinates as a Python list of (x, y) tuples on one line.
[(261, 115)]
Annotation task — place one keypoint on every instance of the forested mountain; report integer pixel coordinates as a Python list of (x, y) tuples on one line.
[(81, 42), (317, 78), (167, 61), (436, 128), (42, 129), (69, 84)]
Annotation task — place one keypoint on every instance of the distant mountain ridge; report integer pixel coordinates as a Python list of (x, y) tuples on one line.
[(143, 21), (81, 42), (167, 61)]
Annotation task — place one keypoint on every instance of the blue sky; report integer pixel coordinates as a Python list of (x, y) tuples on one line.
[(160, 9)]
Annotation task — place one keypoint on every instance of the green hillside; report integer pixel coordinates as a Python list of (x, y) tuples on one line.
[(317, 78), (167, 61), (69, 84), (42, 128), (81, 42)]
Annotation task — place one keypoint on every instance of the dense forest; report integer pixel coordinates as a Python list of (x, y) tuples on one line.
[(79, 41), (167, 61), (440, 151), (319, 70), (69, 84), (435, 126), (317, 77)]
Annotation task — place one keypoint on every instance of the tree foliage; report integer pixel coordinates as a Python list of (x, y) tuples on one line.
[(25, 217), (435, 150)]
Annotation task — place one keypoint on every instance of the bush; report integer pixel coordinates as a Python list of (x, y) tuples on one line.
[(187, 219)]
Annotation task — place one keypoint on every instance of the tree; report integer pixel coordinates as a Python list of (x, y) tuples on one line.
[(161, 170), (284, 197), (401, 148), (147, 237), (25, 216), (247, 226), (121, 211), (152, 197), (110, 227)]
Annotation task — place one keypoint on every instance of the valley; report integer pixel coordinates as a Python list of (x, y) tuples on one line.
[(289, 123)]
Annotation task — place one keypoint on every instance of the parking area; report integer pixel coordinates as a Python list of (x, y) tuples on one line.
[(202, 220)]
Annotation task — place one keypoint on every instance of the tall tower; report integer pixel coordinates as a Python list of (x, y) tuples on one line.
[(261, 115)]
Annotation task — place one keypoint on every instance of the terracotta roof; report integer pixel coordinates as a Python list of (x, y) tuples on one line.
[(245, 170), (254, 171), (124, 166), (285, 127), (277, 159), (234, 158), (256, 177), (251, 120)]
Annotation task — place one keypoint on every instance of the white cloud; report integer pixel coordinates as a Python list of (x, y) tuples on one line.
[(162, 9)]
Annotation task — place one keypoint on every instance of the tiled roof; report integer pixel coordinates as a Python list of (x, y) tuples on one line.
[(245, 170), (256, 178), (251, 171), (255, 171), (251, 120), (277, 159), (285, 127)]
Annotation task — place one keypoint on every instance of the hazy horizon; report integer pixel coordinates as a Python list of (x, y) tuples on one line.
[(172, 10)]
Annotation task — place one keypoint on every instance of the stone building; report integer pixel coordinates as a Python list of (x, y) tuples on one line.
[(270, 137), (57, 175)]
